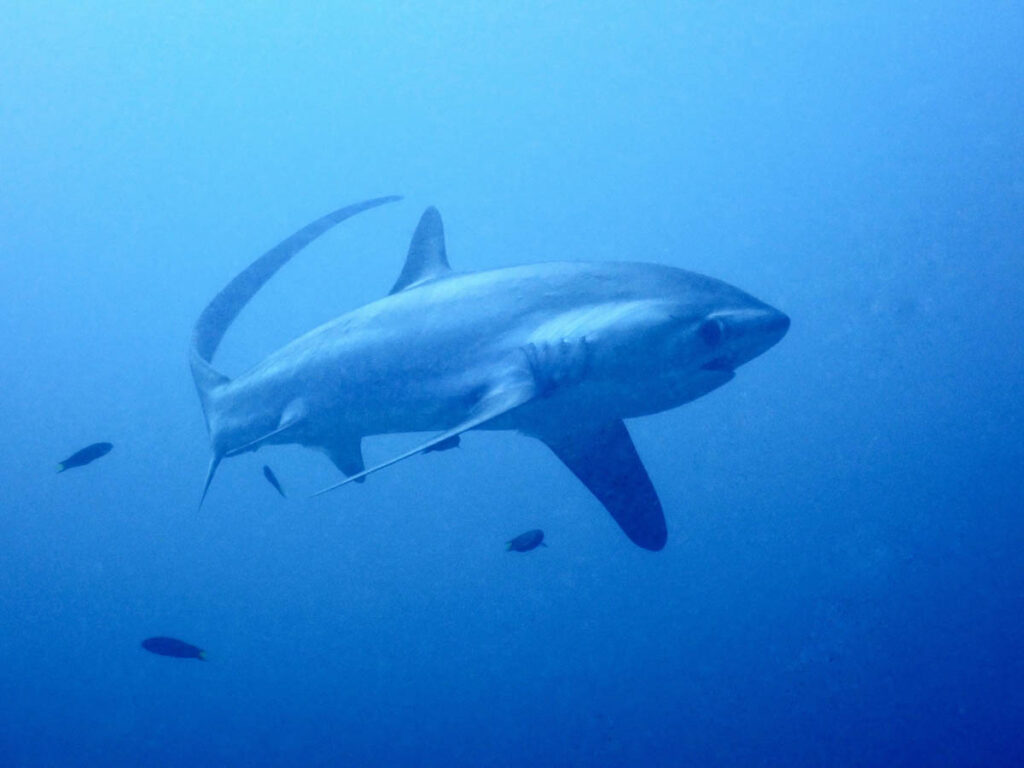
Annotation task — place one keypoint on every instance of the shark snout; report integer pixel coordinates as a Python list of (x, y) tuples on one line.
[(743, 335), (762, 330), (776, 325)]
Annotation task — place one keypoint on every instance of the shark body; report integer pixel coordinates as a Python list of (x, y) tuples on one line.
[(562, 352)]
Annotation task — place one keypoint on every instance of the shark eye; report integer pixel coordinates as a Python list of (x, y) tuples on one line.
[(712, 332)]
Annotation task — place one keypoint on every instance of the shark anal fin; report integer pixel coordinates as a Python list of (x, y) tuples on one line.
[(347, 456), (606, 461), (427, 258), (498, 401)]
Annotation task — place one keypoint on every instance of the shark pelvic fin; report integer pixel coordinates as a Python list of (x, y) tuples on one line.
[(427, 258), (347, 456), (497, 402), (605, 460), (445, 445)]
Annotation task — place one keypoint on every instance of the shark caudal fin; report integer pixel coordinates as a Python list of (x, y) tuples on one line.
[(221, 312), (214, 463)]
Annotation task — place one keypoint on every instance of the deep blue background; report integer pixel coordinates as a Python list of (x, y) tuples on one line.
[(843, 584)]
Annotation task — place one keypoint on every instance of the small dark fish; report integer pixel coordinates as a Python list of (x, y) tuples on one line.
[(85, 456), (524, 542), (272, 479), (169, 646)]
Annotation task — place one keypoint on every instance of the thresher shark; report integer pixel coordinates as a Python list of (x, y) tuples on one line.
[(562, 352)]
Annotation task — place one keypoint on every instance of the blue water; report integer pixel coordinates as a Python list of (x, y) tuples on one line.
[(843, 583)]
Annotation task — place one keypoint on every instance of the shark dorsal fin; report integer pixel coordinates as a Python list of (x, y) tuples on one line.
[(427, 259)]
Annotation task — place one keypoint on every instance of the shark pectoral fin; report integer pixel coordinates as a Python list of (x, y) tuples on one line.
[(606, 460), (497, 402), (347, 456)]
